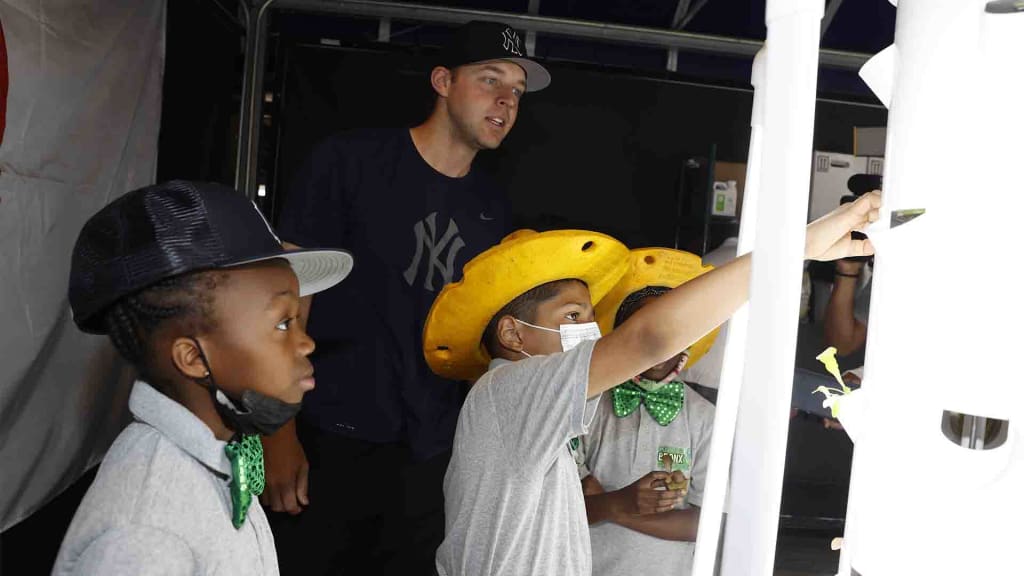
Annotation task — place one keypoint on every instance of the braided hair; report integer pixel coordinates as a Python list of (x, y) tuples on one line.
[(633, 302), (132, 319)]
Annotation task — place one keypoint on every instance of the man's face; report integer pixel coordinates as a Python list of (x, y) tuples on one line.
[(258, 342), (483, 100), (570, 306)]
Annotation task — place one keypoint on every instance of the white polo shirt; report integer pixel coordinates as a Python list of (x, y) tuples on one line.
[(161, 504)]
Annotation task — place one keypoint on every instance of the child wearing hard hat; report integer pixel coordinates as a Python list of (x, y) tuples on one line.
[(521, 322), (649, 440)]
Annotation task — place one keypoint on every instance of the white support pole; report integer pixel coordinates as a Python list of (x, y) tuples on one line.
[(727, 406), (791, 69)]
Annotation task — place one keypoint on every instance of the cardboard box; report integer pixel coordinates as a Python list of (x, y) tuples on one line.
[(828, 180), (869, 141), (875, 165)]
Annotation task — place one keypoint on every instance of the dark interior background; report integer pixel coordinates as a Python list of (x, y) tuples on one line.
[(598, 149)]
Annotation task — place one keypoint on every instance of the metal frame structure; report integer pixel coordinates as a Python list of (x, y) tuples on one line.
[(255, 12), (685, 13), (830, 15)]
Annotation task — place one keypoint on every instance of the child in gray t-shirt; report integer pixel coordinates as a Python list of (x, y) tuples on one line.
[(649, 432), (522, 310)]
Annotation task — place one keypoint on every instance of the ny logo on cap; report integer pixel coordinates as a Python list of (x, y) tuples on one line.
[(511, 42)]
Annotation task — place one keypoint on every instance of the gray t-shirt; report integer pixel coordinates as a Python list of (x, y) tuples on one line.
[(161, 504), (619, 451), (513, 499)]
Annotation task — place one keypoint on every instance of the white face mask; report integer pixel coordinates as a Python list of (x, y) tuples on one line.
[(572, 334)]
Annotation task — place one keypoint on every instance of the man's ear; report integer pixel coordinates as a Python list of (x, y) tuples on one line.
[(188, 359), (441, 80), (508, 334)]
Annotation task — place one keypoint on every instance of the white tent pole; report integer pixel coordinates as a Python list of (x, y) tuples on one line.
[(791, 68), (728, 401)]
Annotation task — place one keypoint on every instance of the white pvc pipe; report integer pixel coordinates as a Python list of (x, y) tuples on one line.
[(727, 405), (791, 66)]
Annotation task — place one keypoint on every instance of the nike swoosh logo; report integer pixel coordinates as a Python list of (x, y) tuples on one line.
[(485, 217)]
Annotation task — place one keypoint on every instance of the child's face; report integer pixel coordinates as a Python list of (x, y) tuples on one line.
[(258, 343), (660, 371), (570, 306)]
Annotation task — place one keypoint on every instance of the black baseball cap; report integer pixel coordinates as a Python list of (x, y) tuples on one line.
[(480, 41), (153, 233)]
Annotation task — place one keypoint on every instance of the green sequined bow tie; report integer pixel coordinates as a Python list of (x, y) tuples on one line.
[(662, 404), (247, 479)]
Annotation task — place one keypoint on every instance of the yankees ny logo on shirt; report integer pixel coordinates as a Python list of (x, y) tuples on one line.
[(512, 42), (428, 244)]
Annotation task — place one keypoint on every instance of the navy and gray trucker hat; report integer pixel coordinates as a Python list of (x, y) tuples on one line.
[(168, 229)]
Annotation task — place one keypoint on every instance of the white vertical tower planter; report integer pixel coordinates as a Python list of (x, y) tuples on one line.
[(791, 70), (946, 310)]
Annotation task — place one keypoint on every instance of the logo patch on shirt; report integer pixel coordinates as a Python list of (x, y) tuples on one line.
[(681, 459), (439, 253)]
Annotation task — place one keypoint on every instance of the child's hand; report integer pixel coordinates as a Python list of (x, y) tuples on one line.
[(678, 481), (591, 486), (645, 497), (828, 237), (286, 470)]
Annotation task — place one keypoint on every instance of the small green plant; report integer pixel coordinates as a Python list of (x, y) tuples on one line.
[(832, 395)]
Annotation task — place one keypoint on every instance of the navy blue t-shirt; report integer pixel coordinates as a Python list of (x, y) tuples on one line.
[(411, 230)]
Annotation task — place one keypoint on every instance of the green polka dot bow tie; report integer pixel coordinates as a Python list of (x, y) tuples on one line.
[(662, 404), (246, 456)]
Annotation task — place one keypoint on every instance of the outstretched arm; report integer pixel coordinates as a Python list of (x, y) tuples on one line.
[(842, 329), (682, 316)]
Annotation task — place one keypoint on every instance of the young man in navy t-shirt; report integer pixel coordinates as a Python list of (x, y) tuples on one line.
[(362, 477)]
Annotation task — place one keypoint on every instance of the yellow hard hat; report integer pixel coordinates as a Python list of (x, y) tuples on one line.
[(522, 261), (655, 267)]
